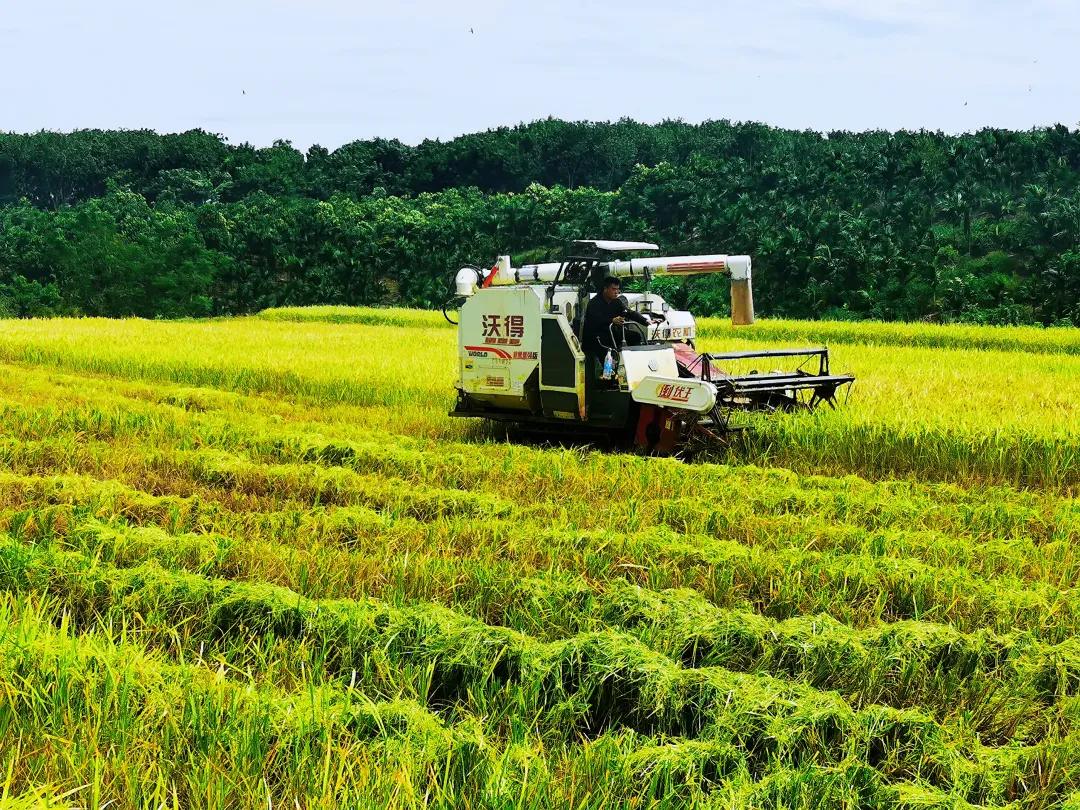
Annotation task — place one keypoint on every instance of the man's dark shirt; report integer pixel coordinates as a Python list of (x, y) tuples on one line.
[(595, 335)]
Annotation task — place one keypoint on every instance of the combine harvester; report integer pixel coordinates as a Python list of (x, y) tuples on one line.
[(522, 361)]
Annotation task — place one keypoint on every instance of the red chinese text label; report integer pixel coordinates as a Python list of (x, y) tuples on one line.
[(676, 393)]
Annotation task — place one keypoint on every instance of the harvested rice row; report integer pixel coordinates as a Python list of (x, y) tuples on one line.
[(186, 473), (874, 505), (855, 588), (995, 513), (323, 743), (1050, 561), (767, 521), (316, 743), (587, 684), (1006, 684)]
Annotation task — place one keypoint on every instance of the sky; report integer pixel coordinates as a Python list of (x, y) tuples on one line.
[(334, 71)]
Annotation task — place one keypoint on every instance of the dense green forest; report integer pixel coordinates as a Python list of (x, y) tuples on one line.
[(911, 225)]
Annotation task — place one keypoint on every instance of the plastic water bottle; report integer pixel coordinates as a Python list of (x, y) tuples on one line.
[(609, 367)]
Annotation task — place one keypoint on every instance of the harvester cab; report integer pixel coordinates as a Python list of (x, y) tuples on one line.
[(522, 360)]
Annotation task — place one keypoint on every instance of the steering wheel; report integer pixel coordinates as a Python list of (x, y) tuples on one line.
[(655, 319), (641, 330)]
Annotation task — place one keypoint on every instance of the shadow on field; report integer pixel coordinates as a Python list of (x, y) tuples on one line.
[(698, 450)]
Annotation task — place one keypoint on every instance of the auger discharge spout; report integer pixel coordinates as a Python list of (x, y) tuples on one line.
[(736, 267)]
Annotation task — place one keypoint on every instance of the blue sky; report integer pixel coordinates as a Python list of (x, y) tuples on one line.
[(330, 71)]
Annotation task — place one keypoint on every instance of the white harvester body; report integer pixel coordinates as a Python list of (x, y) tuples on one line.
[(521, 357), (499, 344)]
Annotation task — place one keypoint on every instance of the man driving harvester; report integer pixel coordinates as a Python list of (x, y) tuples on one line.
[(604, 310)]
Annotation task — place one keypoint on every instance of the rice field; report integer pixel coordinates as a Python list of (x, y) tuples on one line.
[(251, 563), (875, 333)]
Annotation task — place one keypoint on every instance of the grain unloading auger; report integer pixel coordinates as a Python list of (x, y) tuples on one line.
[(521, 357)]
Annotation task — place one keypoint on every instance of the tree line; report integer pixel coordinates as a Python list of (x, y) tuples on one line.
[(981, 227)]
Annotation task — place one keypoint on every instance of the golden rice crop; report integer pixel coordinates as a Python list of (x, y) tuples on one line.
[(1035, 339), (945, 414), (251, 562)]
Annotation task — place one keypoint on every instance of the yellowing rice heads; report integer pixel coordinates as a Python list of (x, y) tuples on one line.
[(251, 563)]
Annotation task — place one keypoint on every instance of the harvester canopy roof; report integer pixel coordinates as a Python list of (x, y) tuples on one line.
[(615, 246)]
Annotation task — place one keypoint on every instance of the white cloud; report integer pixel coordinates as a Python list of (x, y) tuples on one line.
[(893, 11)]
